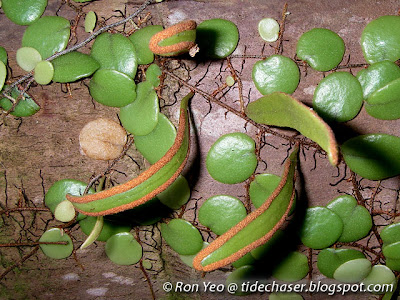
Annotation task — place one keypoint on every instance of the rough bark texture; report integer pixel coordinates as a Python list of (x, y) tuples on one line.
[(39, 150)]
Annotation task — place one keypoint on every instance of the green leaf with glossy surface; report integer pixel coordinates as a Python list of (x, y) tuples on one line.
[(232, 159), (56, 251), (112, 88), (23, 12), (279, 109), (28, 58), (73, 66), (293, 267), (65, 211), (377, 76), (384, 103), (373, 156), (110, 227), (123, 249), (380, 39), (357, 221), (321, 48), (338, 97), (153, 74), (221, 212), (3, 55), (379, 276), (217, 38), (26, 106), (3, 74), (177, 194), (321, 228), (141, 39), (182, 236), (48, 35), (353, 270), (391, 233), (44, 72), (90, 21), (392, 250), (141, 116), (276, 73), (115, 52), (188, 259), (393, 264), (154, 145), (268, 29), (330, 259), (262, 187)]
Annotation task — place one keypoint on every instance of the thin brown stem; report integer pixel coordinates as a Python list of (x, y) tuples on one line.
[(19, 263), (20, 209), (32, 244)]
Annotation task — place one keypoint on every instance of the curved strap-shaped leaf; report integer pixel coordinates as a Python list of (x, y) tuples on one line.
[(148, 184), (256, 229), (280, 109)]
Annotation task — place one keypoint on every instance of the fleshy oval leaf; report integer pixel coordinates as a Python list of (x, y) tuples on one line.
[(73, 66), (279, 109), (293, 267), (353, 270), (53, 250), (90, 21), (182, 236), (221, 212), (44, 72), (65, 211), (23, 12), (26, 105), (28, 58), (141, 39), (177, 194), (373, 156), (330, 259), (391, 233), (3, 74), (123, 249), (48, 35), (141, 116), (268, 29), (379, 276)]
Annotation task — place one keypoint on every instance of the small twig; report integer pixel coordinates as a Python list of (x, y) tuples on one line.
[(19, 263), (32, 244), (19, 209), (278, 48)]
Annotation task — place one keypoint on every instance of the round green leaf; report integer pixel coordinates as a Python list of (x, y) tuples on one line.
[(377, 76), (141, 116), (44, 72), (268, 29), (220, 213), (373, 156), (23, 12), (110, 227), (56, 251), (262, 187), (391, 233), (28, 58), (353, 270), (115, 52), (65, 211), (217, 38), (48, 35), (177, 194), (357, 221), (26, 106), (188, 259), (393, 264), (321, 228), (112, 88), (380, 39), (285, 296), (182, 237), (338, 97), (379, 276), (392, 250), (73, 66), (321, 48), (90, 21), (276, 73), (57, 192), (294, 267), (3, 74), (230, 81), (153, 74), (384, 103), (330, 259), (123, 249), (154, 145), (232, 158), (141, 39), (3, 55)]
